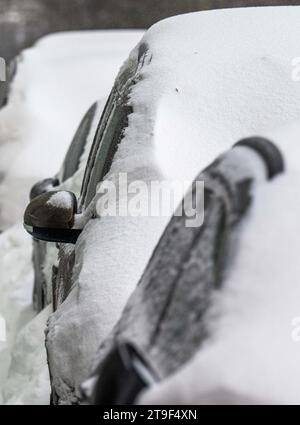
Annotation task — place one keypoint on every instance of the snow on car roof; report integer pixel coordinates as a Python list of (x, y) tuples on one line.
[(252, 355), (59, 78), (87, 41), (216, 76)]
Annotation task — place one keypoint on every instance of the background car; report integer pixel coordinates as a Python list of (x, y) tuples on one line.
[(69, 177), (56, 82), (195, 84)]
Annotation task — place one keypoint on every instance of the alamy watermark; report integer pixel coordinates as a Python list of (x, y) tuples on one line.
[(2, 70), (157, 198)]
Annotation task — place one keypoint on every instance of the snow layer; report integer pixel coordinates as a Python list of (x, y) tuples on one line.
[(110, 258), (217, 76), (24, 376), (98, 54), (23, 359), (23, 364), (60, 199), (214, 77), (252, 355), (57, 80), (28, 379)]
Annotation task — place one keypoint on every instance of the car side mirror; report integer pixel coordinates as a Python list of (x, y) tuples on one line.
[(50, 217), (43, 186)]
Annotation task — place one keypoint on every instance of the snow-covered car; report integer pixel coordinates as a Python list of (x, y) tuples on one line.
[(164, 324), (57, 80), (192, 87), (68, 178)]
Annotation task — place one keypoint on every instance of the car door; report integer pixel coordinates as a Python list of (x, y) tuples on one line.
[(108, 136)]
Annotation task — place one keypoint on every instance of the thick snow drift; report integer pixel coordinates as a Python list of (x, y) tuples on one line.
[(56, 82), (28, 378), (16, 283), (214, 77)]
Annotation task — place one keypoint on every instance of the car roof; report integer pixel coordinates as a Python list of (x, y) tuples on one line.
[(65, 72), (87, 41), (214, 77)]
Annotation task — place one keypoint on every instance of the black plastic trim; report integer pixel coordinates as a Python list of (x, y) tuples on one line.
[(54, 235), (268, 151)]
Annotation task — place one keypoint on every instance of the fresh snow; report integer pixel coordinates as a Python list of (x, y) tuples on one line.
[(16, 284), (27, 346), (60, 199), (214, 77), (57, 80), (28, 379), (98, 54), (217, 76), (252, 355)]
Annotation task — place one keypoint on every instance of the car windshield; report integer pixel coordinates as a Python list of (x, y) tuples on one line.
[(111, 128)]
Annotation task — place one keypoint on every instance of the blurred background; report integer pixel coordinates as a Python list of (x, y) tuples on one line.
[(23, 22)]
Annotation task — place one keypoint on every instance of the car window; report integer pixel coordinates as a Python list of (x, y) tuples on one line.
[(111, 128), (116, 124), (75, 151)]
